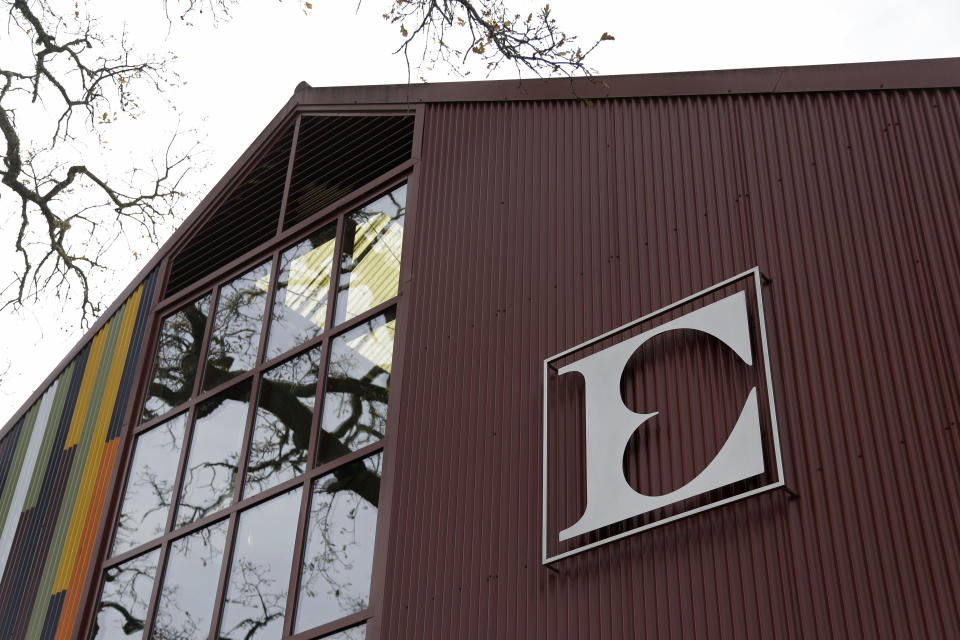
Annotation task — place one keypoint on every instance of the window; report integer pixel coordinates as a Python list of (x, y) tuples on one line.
[(251, 499)]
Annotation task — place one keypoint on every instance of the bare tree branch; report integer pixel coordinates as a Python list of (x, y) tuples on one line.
[(454, 31), (69, 211), (76, 73)]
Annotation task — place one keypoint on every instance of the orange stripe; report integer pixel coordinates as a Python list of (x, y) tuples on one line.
[(71, 602), (96, 475)]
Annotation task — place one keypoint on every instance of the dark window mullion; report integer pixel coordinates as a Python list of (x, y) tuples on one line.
[(335, 274), (340, 624), (296, 564), (289, 177), (258, 371), (223, 386), (293, 586), (325, 359), (218, 601), (268, 310), (363, 452), (299, 350), (181, 470), (364, 317), (247, 435), (313, 442), (165, 417), (205, 345), (158, 577), (129, 554)]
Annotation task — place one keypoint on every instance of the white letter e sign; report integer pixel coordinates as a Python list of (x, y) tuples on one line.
[(610, 423)]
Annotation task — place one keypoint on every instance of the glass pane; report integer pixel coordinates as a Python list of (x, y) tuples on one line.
[(211, 471), (353, 633), (235, 335), (300, 305), (338, 556), (122, 608), (370, 258), (190, 585), (147, 498), (178, 353), (257, 589), (281, 433), (357, 387)]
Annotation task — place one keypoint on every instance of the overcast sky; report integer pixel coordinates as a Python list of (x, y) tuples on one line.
[(238, 75)]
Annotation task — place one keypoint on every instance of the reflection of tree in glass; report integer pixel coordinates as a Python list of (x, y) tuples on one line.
[(149, 490), (357, 388), (236, 327), (125, 598), (178, 354), (211, 471), (338, 556), (256, 593), (281, 435), (187, 597)]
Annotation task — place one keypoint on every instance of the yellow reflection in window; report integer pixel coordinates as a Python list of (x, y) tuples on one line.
[(372, 273), (376, 346), (262, 283), (309, 282)]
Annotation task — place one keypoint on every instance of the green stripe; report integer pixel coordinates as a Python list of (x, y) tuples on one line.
[(46, 451), (68, 502), (15, 465), (76, 471), (49, 437)]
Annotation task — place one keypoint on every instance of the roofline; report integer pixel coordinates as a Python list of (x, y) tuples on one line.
[(861, 76), (236, 170), (864, 76)]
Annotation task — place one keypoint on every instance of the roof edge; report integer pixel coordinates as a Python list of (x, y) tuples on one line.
[(167, 248), (860, 76)]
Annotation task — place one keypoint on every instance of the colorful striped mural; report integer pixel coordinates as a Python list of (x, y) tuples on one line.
[(55, 467)]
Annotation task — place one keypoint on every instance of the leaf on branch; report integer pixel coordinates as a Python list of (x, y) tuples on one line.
[(607, 36), (309, 5)]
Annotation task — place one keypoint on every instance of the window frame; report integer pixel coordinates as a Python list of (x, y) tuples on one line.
[(269, 251)]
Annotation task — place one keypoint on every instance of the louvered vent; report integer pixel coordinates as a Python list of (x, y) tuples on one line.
[(338, 154), (247, 218)]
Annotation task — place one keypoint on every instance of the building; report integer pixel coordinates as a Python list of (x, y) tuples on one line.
[(651, 356)]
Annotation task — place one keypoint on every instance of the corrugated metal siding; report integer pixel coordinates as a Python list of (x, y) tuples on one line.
[(541, 225), (60, 492)]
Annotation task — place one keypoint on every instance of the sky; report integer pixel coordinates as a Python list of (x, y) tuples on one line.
[(236, 75)]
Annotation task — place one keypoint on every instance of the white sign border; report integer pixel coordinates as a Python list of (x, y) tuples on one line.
[(755, 273)]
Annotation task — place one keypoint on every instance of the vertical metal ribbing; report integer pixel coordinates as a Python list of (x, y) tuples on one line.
[(542, 224), (844, 200)]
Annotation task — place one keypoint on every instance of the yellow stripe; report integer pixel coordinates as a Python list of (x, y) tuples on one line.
[(102, 424), (73, 439), (86, 387)]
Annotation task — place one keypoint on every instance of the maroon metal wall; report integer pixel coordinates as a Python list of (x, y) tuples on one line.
[(540, 225)]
